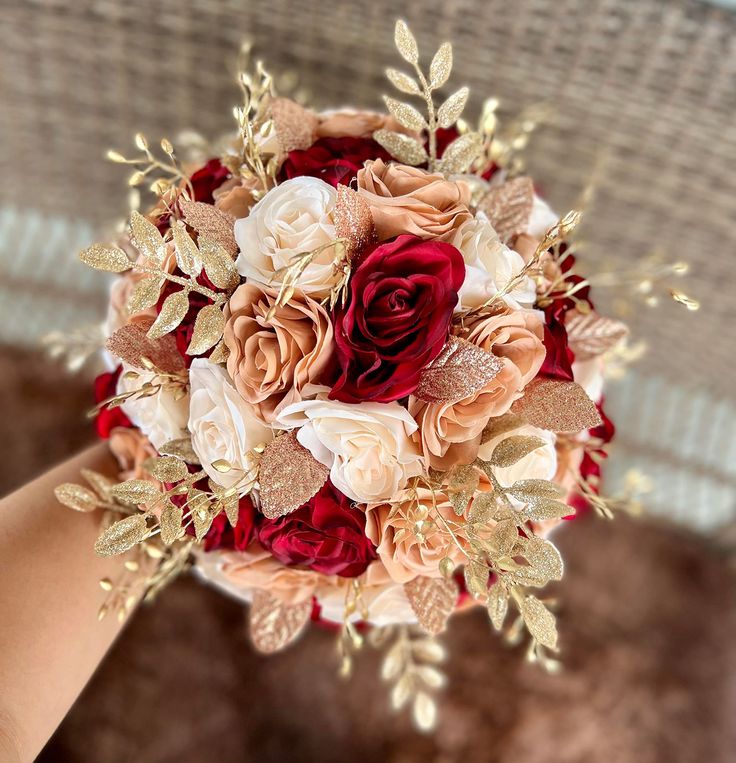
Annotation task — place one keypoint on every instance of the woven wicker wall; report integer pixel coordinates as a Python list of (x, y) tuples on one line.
[(646, 85)]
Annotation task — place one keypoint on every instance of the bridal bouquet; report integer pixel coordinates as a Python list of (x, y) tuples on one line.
[(354, 377)]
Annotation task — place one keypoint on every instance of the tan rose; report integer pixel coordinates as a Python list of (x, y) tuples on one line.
[(235, 196), (271, 363), (450, 432), (404, 555), (354, 124), (410, 200), (131, 448)]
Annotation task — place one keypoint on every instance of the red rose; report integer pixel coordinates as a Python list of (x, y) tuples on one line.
[(559, 358), (107, 419), (334, 160), (208, 179), (396, 319), (326, 534)]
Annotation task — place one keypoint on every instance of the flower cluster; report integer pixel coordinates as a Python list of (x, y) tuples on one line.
[(350, 370)]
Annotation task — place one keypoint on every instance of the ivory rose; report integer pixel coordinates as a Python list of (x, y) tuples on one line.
[(405, 556), (489, 266), (367, 446), (294, 217), (413, 201), (450, 432), (161, 416), (272, 362), (223, 426)]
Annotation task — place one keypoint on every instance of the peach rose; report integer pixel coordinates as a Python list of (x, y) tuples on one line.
[(272, 362), (393, 533), (235, 196), (347, 123), (450, 432), (410, 200), (131, 448)]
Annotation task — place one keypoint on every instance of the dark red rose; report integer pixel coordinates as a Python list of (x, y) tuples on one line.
[(396, 319), (208, 179), (222, 536), (559, 358), (334, 160), (326, 534), (591, 467), (107, 419)]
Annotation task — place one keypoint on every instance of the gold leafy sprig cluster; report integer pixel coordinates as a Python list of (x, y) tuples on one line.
[(463, 151), (162, 174), (498, 539), (410, 664), (209, 254), (148, 507), (148, 568), (255, 125)]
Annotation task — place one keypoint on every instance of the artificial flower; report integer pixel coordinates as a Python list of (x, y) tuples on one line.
[(396, 318)]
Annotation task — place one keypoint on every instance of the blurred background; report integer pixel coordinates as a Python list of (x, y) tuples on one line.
[(639, 106)]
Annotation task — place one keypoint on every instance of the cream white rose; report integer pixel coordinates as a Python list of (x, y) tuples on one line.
[(222, 425), (489, 266), (541, 219), (161, 417), (540, 464), (294, 217), (367, 447)]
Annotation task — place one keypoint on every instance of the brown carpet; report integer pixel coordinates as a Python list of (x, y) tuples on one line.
[(647, 625)]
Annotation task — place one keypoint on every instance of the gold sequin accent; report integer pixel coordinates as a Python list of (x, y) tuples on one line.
[(560, 406), (273, 624), (212, 222), (460, 370), (509, 207), (131, 343), (353, 219), (592, 334), (295, 126), (289, 475), (433, 600)]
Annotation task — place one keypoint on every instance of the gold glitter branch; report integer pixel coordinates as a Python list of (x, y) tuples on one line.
[(463, 151)]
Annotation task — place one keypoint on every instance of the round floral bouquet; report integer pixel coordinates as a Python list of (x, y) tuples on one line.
[(354, 377)]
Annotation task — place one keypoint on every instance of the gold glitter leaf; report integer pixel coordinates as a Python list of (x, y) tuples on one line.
[(214, 223), (541, 509), (527, 490), (424, 711), (295, 126), (289, 475), (513, 449), (462, 484), (503, 537), (405, 42), (459, 371), (353, 219), (101, 484), (136, 492), (403, 148), (199, 507), (218, 263), (403, 82), (208, 328), (509, 206), (76, 497), (560, 406), (449, 112), (181, 449), (187, 254), (476, 578), (123, 535), (146, 237), (169, 469), (273, 624), (592, 334), (441, 66), (461, 153), (544, 557), (170, 522), (145, 294), (432, 600), (539, 621), (220, 353), (107, 258), (131, 344), (173, 311), (497, 605), (230, 504), (405, 115)]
